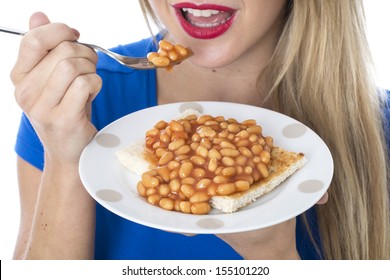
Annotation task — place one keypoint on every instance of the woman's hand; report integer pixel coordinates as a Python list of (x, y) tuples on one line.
[(274, 242), (55, 79)]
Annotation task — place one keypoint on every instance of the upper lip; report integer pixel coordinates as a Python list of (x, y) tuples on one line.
[(202, 6)]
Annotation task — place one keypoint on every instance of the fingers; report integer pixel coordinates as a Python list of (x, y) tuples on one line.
[(38, 19), (83, 89), (72, 107), (54, 74), (49, 63), (68, 73), (61, 67), (37, 43), (183, 233), (324, 199)]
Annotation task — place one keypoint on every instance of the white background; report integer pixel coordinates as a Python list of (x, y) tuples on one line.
[(106, 23)]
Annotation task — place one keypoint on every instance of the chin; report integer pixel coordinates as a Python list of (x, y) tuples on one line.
[(210, 59), (208, 64)]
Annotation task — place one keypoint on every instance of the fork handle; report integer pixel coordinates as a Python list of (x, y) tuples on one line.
[(12, 31), (22, 33)]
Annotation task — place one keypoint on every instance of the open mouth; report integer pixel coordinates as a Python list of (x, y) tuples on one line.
[(206, 18), (204, 21)]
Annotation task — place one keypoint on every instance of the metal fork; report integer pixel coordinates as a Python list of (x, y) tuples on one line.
[(141, 63), (131, 62)]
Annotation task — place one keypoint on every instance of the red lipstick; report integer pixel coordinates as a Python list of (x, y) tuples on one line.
[(206, 21)]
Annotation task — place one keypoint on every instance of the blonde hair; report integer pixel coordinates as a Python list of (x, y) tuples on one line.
[(321, 74)]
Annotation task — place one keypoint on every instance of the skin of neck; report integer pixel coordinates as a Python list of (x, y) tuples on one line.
[(240, 81)]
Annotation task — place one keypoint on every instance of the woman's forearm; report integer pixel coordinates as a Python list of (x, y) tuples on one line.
[(63, 226)]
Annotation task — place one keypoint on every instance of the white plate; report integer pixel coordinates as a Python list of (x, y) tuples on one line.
[(115, 188)]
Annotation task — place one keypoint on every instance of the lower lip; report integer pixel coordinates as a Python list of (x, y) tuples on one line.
[(203, 32)]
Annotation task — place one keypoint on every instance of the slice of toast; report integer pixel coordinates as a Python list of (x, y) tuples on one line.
[(283, 164)]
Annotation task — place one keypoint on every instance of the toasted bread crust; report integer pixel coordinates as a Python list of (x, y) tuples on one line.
[(283, 164)]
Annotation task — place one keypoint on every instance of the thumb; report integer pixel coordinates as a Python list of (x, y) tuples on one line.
[(38, 19)]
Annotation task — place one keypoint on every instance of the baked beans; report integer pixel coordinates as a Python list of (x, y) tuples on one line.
[(198, 158), (168, 55)]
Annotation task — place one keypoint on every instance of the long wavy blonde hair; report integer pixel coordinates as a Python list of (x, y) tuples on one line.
[(321, 74)]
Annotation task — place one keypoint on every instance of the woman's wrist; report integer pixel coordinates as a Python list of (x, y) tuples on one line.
[(274, 242)]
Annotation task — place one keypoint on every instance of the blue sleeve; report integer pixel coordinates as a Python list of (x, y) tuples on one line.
[(386, 114), (28, 146)]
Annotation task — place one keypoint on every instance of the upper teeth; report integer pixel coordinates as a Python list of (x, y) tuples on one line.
[(201, 13)]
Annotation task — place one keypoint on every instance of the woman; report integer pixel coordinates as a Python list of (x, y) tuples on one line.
[(306, 59)]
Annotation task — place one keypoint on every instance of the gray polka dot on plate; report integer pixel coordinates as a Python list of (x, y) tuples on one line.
[(191, 105), (108, 140), (109, 195), (210, 223), (311, 186), (295, 130)]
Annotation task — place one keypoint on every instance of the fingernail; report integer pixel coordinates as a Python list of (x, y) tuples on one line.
[(76, 33)]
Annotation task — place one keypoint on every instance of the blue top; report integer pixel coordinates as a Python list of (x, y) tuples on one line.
[(125, 91)]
